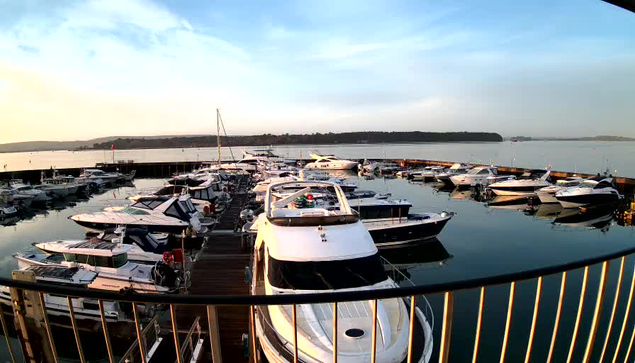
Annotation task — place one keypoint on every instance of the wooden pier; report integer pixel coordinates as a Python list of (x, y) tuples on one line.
[(219, 269)]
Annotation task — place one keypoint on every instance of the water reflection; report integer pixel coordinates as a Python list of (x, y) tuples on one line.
[(601, 218), (416, 256)]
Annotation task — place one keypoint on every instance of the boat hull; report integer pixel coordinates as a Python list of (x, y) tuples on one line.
[(387, 234), (99, 227), (581, 200)]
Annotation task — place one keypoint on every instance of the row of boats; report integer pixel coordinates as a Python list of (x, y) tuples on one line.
[(15, 194), (571, 192)]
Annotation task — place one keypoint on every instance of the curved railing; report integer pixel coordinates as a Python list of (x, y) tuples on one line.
[(447, 289)]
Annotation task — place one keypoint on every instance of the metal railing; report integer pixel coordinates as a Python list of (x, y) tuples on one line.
[(616, 342)]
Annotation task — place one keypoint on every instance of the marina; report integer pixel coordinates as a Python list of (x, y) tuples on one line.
[(523, 229)]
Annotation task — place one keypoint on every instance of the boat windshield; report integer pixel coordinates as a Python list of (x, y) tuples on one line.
[(587, 185), (135, 211), (475, 171), (326, 275)]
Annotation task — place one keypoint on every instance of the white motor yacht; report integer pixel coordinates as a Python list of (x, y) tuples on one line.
[(330, 162), (110, 262), (548, 194), (479, 176), (526, 185), (100, 176), (10, 195), (39, 196), (455, 169), (311, 249), (594, 191), (169, 215), (428, 173), (57, 305)]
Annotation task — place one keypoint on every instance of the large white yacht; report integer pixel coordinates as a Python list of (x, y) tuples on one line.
[(481, 175), (330, 162), (171, 215), (304, 248), (110, 261), (428, 174), (526, 185), (39, 196), (595, 191), (99, 176)]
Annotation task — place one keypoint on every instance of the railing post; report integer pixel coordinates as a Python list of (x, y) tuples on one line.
[(104, 325), (47, 326), (78, 341), (175, 333), (446, 327), (556, 324), (254, 348), (214, 333), (615, 301), (5, 332), (373, 352), (534, 319), (578, 317), (596, 312), (140, 339), (626, 313), (508, 320), (413, 318), (479, 320), (295, 334), (335, 317)]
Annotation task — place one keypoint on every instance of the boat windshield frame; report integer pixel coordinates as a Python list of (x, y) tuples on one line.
[(326, 275)]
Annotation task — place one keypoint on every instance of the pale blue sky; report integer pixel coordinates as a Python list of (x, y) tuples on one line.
[(82, 69)]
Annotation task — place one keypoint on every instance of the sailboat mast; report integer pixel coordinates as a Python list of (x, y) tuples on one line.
[(218, 133)]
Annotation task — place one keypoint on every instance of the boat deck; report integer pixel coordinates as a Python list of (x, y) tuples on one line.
[(220, 270)]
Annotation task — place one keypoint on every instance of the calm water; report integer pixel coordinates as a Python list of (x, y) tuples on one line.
[(581, 156), (480, 240)]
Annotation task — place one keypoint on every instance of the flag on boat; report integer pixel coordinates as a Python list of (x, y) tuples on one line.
[(112, 146)]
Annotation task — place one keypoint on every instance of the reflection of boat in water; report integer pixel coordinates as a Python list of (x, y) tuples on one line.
[(546, 211), (508, 202), (593, 219), (427, 253)]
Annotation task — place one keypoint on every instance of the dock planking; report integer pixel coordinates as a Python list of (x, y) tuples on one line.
[(219, 269)]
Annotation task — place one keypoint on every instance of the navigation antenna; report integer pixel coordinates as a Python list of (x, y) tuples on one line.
[(219, 123)]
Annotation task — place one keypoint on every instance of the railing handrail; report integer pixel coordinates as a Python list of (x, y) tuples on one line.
[(313, 298)]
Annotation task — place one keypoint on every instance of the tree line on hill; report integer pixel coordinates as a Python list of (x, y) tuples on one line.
[(288, 139)]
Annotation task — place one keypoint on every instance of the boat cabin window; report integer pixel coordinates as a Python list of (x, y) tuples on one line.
[(587, 185), (98, 261), (176, 212), (326, 275), (603, 184), (483, 172)]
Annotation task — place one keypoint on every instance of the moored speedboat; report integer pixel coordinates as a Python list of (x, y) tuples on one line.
[(548, 194), (330, 162), (595, 191), (110, 261), (392, 232), (455, 169), (161, 214), (56, 305), (479, 176), (526, 185), (311, 249)]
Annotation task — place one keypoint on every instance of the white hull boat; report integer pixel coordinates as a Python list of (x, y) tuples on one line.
[(479, 176), (330, 162), (311, 250), (525, 186)]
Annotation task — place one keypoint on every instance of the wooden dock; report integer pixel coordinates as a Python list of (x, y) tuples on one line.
[(219, 269)]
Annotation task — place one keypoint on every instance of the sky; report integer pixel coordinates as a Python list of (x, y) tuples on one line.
[(74, 70)]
